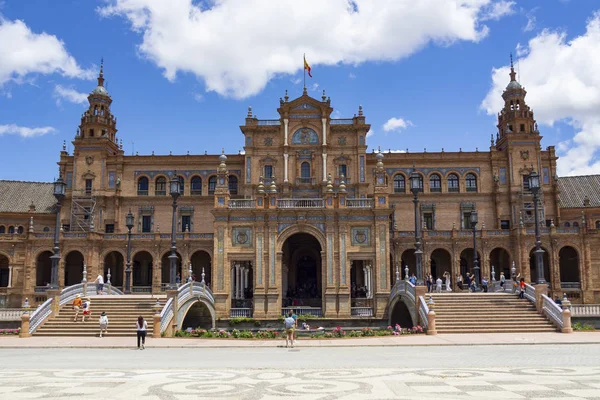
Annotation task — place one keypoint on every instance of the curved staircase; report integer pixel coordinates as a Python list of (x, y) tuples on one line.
[(122, 312), (487, 313)]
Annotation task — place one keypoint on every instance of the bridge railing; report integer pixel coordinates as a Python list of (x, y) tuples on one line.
[(552, 311), (423, 311), (165, 315), (530, 293), (40, 315)]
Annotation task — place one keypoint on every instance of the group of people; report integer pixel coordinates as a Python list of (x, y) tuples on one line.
[(435, 285), (85, 305)]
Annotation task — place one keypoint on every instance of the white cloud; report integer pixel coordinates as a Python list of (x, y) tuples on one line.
[(351, 76), (24, 131), (24, 52), (396, 124), (498, 10), (531, 20), (198, 96), (237, 46), (296, 81), (69, 94), (563, 84), (370, 133), (314, 87)]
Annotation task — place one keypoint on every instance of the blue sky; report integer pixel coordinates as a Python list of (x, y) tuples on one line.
[(182, 76)]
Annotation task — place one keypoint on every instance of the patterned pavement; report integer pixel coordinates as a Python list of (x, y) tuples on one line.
[(305, 384)]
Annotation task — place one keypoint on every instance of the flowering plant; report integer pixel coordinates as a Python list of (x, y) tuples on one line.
[(10, 331)]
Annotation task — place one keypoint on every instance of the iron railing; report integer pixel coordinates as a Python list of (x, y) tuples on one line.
[(359, 203), (242, 203), (300, 203), (314, 311), (240, 313), (361, 311)]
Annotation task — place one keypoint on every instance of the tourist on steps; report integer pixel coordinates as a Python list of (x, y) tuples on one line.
[(429, 282), (502, 281), (77, 306), (522, 287), (448, 280), (438, 285), (459, 281), (103, 323), (87, 309), (99, 284), (484, 284), (141, 327)]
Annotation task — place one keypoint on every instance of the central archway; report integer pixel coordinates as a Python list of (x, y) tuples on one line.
[(73, 268), (43, 270), (302, 274)]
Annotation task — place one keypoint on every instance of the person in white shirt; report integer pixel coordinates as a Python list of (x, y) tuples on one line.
[(141, 327), (290, 325), (103, 323), (99, 284), (438, 285)]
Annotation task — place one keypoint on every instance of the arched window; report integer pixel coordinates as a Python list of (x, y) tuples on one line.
[(343, 170), (471, 181), (142, 189), (46, 229), (567, 225), (435, 183), (181, 184), (575, 224), (233, 185), (453, 185), (597, 224), (160, 188), (212, 184), (420, 183), (305, 170), (20, 230), (11, 229), (196, 186), (399, 184), (2, 229)]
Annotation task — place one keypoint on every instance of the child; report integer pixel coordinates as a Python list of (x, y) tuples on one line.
[(87, 311), (103, 323)]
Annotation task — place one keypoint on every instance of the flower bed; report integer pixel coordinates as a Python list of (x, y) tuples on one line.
[(10, 331), (337, 333)]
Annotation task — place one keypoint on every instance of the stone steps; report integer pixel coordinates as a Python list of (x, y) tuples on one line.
[(487, 313), (122, 314)]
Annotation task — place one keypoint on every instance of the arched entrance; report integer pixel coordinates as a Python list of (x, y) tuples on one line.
[(74, 268), (440, 262), (301, 275), (358, 284), (532, 266), (142, 271), (4, 271), (400, 315), (166, 267), (114, 262), (569, 266), (500, 259), (408, 258), (197, 317), (466, 261), (43, 269), (201, 262)]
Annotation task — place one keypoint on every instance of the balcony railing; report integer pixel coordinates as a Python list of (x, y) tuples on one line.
[(359, 203), (240, 312), (242, 203), (267, 122), (306, 181), (341, 121), (347, 181), (300, 203), (570, 285), (362, 311), (314, 311), (142, 192), (585, 310)]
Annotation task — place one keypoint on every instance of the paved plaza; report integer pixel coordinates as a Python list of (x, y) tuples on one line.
[(567, 371)]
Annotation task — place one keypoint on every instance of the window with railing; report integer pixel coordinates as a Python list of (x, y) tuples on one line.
[(160, 188), (268, 171), (343, 170), (142, 186), (196, 186), (471, 182), (146, 223), (212, 184), (399, 184), (305, 170), (109, 228), (88, 186), (525, 183), (233, 185), (435, 183), (428, 220), (453, 185)]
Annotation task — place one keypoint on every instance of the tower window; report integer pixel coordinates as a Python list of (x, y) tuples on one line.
[(525, 183), (522, 128), (233, 185), (91, 133), (196, 186), (428, 220), (212, 184), (109, 228), (186, 223), (88, 186), (471, 183), (453, 186), (399, 184), (435, 183), (505, 224)]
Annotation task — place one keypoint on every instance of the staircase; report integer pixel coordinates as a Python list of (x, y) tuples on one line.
[(122, 312), (487, 313)]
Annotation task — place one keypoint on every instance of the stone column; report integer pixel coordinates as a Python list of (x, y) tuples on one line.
[(285, 131), (285, 168), (365, 279), (324, 167), (324, 121), (10, 275), (233, 281)]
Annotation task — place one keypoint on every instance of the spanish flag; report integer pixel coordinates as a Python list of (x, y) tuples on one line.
[(307, 67)]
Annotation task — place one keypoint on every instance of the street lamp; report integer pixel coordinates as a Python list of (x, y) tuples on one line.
[(59, 193), (415, 188), (474, 221), (174, 191), (129, 224), (534, 186)]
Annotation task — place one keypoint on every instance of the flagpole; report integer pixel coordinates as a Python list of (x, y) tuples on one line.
[(304, 69)]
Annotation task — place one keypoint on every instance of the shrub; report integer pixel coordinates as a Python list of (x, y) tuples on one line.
[(338, 332), (241, 320), (10, 331), (368, 332), (578, 326), (355, 334)]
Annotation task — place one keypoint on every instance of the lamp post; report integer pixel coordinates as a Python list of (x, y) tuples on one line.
[(174, 191), (415, 187), (59, 194), (476, 267), (534, 186), (129, 224)]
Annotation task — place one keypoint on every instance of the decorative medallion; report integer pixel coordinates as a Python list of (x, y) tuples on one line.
[(305, 136), (360, 237), (268, 141), (525, 154), (242, 237), (89, 160), (342, 140)]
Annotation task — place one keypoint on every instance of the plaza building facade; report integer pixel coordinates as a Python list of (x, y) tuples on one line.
[(306, 216)]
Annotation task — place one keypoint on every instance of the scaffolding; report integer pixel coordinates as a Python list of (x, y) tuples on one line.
[(83, 207)]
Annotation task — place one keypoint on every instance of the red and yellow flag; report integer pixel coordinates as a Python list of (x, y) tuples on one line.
[(307, 67)]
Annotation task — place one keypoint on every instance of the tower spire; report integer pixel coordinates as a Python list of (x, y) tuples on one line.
[(101, 74), (513, 74)]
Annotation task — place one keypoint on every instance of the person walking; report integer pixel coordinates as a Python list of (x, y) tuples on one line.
[(522, 287), (438, 285), (459, 282), (87, 309), (448, 281), (290, 324), (429, 283), (141, 327), (103, 323), (77, 306), (295, 325), (99, 284), (502, 281), (484, 284)]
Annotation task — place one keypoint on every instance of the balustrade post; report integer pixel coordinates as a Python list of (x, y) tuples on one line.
[(431, 329), (156, 320), (566, 315), (24, 332)]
